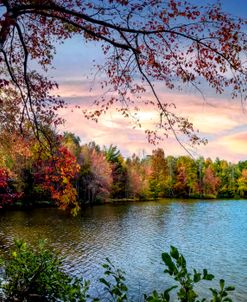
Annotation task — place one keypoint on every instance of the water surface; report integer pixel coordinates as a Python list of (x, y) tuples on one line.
[(211, 234)]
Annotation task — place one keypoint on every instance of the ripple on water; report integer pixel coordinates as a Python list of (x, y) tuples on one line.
[(210, 234)]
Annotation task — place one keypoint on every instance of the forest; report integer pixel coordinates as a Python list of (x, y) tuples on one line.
[(72, 174), (176, 43), (147, 47)]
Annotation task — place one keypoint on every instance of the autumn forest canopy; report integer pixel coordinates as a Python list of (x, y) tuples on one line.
[(77, 174), (175, 43)]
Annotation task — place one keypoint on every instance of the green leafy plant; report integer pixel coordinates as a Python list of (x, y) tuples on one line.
[(222, 293), (114, 282), (177, 268), (36, 274), (162, 297)]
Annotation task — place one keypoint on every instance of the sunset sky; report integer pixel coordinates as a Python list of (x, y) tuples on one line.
[(221, 120)]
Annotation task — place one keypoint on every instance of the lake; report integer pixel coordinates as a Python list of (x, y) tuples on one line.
[(211, 234)]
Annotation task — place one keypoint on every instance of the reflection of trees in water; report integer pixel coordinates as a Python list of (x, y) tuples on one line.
[(68, 235), (133, 236)]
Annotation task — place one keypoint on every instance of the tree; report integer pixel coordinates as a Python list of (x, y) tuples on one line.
[(102, 181), (138, 175), (7, 192), (57, 174), (242, 183), (227, 174), (119, 173), (95, 180), (210, 183), (159, 173), (186, 177), (16, 157), (171, 41), (72, 143)]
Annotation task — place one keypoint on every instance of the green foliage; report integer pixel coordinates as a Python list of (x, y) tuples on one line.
[(114, 282), (31, 274), (37, 275), (112, 154), (177, 269), (221, 295), (162, 297)]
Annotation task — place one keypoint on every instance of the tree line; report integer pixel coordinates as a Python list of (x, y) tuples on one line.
[(71, 174)]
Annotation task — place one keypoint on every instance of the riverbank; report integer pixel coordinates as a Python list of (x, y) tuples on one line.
[(50, 204)]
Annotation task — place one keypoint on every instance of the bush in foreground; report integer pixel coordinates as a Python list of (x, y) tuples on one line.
[(36, 275)]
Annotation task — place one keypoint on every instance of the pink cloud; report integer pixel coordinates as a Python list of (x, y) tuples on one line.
[(218, 120)]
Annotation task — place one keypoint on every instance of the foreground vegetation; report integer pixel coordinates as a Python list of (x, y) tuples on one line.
[(30, 274), (71, 174)]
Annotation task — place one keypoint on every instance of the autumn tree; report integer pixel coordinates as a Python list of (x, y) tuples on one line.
[(210, 183), (138, 177), (186, 184), (242, 183), (72, 143), (7, 192), (101, 183), (16, 157), (159, 173), (119, 173), (95, 181), (56, 173), (173, 42)]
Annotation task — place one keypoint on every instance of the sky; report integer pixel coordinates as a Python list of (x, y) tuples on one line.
[(221, 121)]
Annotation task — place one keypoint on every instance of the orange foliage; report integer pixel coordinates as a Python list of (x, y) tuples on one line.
[(59, 173)]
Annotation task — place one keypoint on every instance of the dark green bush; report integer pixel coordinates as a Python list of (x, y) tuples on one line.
[(36, 275)]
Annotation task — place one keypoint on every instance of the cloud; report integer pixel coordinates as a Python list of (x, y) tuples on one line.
[(112, 128), (236, 143), (220, 120)]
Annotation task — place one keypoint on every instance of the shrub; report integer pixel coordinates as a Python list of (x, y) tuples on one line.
[(36, 275), (177, 269)]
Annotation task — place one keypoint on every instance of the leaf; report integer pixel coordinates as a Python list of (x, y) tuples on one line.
[(227, 299), (168, 262), (230, 288), (103, 280), (197, 277), (222, 284), (174, 252), (207, 276)]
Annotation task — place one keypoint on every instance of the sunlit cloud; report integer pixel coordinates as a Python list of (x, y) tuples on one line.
[(219, 119), (236, 143)]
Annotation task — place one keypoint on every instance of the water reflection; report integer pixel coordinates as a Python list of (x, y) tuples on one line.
[(211, 234)]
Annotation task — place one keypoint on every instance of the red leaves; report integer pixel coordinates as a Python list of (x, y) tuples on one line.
[(143, 42), (151, 61), (3, 178), (7, 195), (210, 181), (3, 83), (6, 24), (57, 176)]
